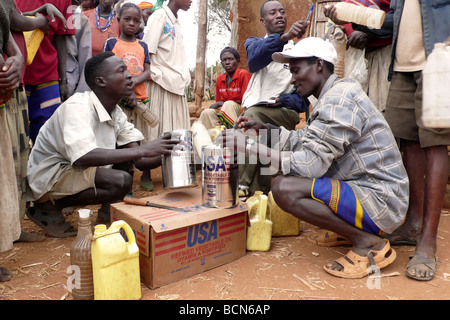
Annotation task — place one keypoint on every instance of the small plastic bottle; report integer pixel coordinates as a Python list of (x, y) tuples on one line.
[(80, 256)]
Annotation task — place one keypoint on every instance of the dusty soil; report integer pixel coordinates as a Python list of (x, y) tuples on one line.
[(291, 270)]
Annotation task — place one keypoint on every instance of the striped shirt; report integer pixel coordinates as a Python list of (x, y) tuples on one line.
[(347, 138)]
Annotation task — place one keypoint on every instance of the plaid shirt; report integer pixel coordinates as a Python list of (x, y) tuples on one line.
[(346, 138)]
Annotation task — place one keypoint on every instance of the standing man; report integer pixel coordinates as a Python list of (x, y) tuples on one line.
[(416, 26), (45, 78), (270, 80), (377, 53)]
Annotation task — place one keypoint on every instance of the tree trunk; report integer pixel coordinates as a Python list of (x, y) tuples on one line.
[(234, 39), (201, 53)]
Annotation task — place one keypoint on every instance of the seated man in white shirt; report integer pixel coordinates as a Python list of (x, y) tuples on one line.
[(71, 163)]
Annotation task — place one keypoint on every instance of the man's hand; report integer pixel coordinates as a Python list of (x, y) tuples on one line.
[(297, 30), (131, 100), (331, 12), (63, 91), (161, 146), (358, 40), (42, 22), (277, 103), (53, 12), (246, 123), (232, 138), (10, 76), (216, 105)]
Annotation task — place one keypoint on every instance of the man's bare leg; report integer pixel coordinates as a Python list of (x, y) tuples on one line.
[(293, 194)]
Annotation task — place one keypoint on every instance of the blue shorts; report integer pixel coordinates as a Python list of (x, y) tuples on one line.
[(342, 200), (43, 100)]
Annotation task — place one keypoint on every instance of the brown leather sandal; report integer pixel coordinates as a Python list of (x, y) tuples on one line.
[(356, 266)]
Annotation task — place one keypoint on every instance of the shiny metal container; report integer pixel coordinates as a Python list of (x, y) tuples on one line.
[(219, 177), (178, 169)]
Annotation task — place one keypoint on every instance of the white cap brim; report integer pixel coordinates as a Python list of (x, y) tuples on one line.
[(284, 58), (307, 48)]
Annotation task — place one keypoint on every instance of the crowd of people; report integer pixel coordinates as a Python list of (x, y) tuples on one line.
[(364, 169)]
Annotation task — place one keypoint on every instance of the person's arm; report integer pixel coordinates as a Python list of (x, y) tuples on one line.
[(60, 43), (218, 97), (143, 76), (245, 76), (385, 31), (294, 101), (51, 11), (129, 152), (84, 52), (260, 50), (11, 69), (238, 141), (20, 23)]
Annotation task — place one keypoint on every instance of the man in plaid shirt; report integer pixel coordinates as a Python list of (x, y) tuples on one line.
[(343, 172)]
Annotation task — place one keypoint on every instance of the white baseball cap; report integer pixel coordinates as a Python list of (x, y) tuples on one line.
[(308, 47)]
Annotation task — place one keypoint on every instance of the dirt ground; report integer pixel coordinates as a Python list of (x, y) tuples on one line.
[(291, 270)]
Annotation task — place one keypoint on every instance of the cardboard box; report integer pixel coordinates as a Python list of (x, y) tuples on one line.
[(175, 245)]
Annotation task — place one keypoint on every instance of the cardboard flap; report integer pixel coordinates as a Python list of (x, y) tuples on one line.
[(162, 220)]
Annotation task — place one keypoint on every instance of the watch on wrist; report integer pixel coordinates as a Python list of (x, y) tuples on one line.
[(63, 80), (250, 143)]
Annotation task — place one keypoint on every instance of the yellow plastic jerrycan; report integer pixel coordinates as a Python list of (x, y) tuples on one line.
[(284, 224), (259, 233), (115, 263)]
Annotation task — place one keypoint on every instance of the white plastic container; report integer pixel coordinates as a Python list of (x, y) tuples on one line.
[(436, 88)]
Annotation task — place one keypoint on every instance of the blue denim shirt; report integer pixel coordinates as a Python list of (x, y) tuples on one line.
[(435, 24)]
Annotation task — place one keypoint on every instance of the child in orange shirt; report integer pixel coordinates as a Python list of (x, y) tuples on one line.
[(134, 53)]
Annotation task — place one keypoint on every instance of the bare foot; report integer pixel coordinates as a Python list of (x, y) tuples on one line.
[(361, 249)]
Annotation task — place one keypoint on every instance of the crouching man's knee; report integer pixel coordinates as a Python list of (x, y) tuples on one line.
[(121, 185), (287, 191), (281, 192)]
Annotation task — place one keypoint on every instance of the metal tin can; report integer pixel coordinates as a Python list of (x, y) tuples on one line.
[(178, 169), (219, 177)]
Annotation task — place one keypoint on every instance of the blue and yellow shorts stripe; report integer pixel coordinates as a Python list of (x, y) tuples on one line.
[(342, 200)]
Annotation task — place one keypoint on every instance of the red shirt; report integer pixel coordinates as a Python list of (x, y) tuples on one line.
[(99, 37), (20, 41), (235, 89), (45, 64)]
